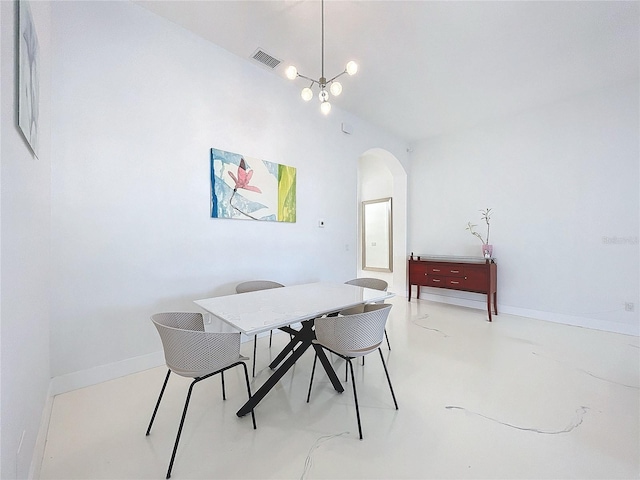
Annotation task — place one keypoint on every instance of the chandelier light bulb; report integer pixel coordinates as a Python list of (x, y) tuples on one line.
[(325, 107), (336, 89), (291, 72), (352, 67), (306, 94), (323, 96)]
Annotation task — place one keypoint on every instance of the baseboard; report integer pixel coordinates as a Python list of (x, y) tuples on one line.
[(576, 321), (111, 371), (573, 320), (103, 373), (41, 441)]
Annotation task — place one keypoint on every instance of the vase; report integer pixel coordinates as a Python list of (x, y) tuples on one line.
[(487, 250)]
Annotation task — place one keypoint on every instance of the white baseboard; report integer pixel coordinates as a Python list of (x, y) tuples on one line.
[(103, 373), (111, 371), (576, 321), (41, 440)]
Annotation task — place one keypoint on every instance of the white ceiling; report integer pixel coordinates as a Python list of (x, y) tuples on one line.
[(431, 67)]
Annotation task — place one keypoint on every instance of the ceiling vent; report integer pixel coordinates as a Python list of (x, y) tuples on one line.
[(265, 59)]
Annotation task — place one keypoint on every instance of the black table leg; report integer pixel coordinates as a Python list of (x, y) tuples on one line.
[(304, 337), (300, 336), (273, 379)]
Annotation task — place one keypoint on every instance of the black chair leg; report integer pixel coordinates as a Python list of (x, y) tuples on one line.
[(155, 410), (355, 396), (270, 337), (388, 379), (313, 371), (387, 337), (186, 404), (246, 376), (184, 414), (255, 344)]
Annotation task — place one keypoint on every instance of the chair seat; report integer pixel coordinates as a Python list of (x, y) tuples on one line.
[(360, 352)]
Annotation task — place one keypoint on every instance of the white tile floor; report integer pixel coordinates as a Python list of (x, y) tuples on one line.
[(516, 398)]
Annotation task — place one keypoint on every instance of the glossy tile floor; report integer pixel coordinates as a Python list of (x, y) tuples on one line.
[(516, 398)]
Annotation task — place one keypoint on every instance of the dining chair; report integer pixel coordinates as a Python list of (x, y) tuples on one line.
[(254, 286), (353, 333), (191, 352), (375, 284)]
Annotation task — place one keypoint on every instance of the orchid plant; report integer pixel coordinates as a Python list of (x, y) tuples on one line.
[(486, 216)]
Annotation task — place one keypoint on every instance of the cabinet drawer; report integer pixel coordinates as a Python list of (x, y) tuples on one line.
[(444, 270), (434, 281), (455, 282)]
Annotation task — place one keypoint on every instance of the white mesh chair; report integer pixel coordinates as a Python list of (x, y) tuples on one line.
[(375, 284), (191, 352), (353, 333), (254, 286)]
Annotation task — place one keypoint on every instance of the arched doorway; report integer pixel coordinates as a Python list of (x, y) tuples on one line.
[(381, 175)]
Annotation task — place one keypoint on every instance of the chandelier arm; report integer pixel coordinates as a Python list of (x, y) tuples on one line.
[(339, 75), (310, 79)]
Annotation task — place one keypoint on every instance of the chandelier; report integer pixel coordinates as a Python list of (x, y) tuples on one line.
[(334, 87)]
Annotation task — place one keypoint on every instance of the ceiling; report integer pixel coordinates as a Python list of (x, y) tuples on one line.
[(428, 68)]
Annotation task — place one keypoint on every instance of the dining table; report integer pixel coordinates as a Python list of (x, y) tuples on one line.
[(256, 312)]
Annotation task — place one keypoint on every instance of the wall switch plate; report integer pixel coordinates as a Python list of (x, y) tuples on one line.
[(321, 223)]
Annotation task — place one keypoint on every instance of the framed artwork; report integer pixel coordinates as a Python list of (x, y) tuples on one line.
[(29, 77), (251, 189)]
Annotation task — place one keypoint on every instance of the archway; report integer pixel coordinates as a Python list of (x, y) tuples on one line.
[(380, 175)]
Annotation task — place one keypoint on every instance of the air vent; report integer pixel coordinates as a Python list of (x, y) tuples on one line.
[(265, 59)]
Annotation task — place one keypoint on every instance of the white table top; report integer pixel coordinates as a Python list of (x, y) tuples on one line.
[(264, 310)]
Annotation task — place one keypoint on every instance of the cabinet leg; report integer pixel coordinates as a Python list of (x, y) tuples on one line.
[(495, 302)]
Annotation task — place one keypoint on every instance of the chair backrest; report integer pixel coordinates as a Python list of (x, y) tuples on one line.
[(366, 282), (189, 350), (354, 332), (255, 285)]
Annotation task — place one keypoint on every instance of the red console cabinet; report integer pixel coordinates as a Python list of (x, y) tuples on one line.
[(467, 274)]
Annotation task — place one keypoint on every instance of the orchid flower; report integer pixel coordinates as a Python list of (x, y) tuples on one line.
[(243, 179)]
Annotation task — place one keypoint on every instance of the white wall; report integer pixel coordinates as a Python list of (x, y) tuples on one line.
[(137, 104), (24, 253), (563, 183)]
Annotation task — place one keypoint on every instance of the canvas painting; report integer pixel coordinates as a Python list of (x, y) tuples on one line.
[(248, 188), (29, 81)]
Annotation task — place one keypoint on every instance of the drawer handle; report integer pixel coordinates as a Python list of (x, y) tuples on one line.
[(436, 269), (455, 271), (435, 280), (454, 283)]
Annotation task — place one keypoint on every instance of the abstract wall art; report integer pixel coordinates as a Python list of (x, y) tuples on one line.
[(248, 188), (29, 78)]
